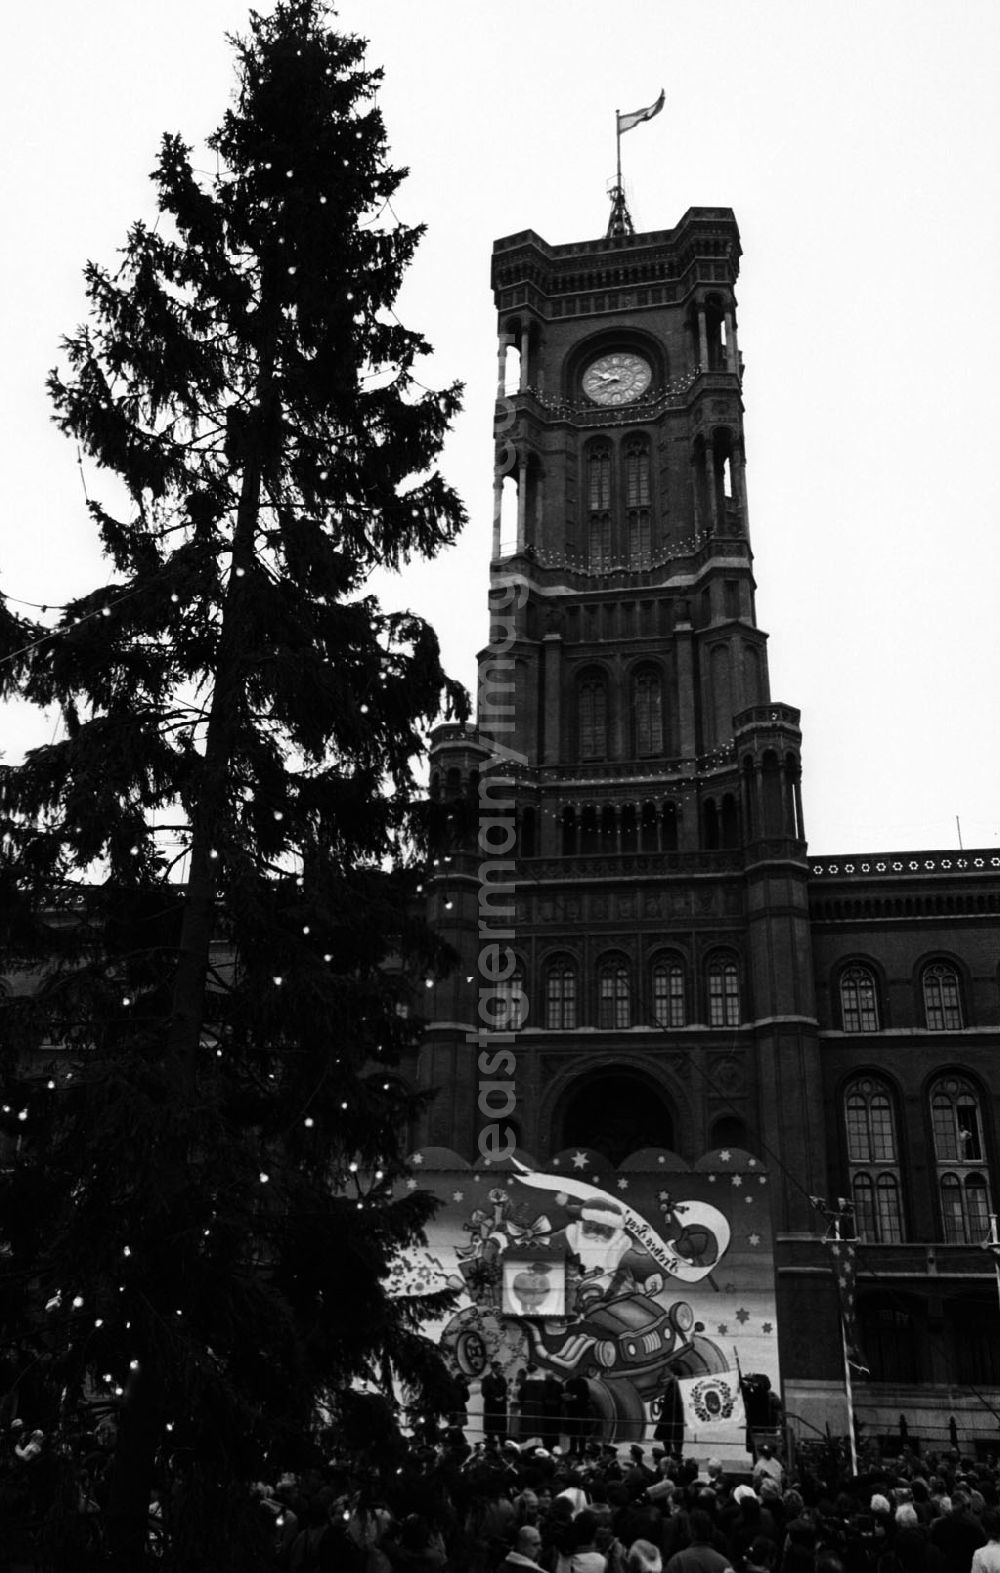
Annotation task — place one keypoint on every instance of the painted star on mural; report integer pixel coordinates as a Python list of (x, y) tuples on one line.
[(751, 1163), (418, 1157), (663, 1196), (742, 1316), (748, 1200), (579, 1160), (722, 1329), (737, 1180), (458, 1196), (762, 1179), (711, 1179), (411, 1184), (725, 1155), (754, 1239), (623, 1185), (766, 1327)]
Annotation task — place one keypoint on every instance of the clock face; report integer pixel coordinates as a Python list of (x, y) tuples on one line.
[(619, 378)]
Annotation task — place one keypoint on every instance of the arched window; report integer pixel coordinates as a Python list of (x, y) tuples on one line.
[(508, 1005), (637, 500), (858, 1000), (960, 1155), (647, 714), (723, 993), (560, 994), (592, 711), (873, 1161), (942, 1001), (728, 1131), (599, 503), (614, 995), (669, 994)]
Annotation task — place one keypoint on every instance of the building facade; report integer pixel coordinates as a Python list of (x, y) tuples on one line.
[(623, 869)]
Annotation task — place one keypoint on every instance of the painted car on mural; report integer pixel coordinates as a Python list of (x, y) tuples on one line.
[(613, 1324)]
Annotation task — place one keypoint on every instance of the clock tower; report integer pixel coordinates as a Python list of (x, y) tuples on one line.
[(622, 861)]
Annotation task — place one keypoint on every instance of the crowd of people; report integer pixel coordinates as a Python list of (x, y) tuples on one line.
[(505, 1506)]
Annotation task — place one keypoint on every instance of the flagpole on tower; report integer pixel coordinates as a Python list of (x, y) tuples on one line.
[(620, 222)]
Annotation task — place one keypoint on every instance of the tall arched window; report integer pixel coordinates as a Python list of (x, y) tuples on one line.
[(560, 994), (723, 993), (592, 702), (599, 503), (942, 1001), (647, 714), (858, 1000), (614, 995), (637, 500), (669, 993), (960, 1155), (509, 1003), (873, 1161)]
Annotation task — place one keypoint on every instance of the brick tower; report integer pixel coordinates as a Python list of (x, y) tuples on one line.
[(653, 961)]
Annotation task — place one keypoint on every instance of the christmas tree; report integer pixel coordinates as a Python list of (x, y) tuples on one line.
[(208, 874)]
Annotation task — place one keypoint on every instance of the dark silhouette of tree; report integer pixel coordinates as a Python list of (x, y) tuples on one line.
[(210, 869)]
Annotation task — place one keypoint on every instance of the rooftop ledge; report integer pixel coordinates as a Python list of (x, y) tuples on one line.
[(892, 864)]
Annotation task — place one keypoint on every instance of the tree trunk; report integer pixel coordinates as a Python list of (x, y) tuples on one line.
[(140, 1426)]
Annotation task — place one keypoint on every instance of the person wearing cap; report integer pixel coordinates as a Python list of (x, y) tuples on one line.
[(767, 1464)]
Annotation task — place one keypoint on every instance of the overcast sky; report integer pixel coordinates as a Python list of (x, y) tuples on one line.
[(857, 144)]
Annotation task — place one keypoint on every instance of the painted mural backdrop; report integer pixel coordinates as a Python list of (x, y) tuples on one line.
[(652, 1283)]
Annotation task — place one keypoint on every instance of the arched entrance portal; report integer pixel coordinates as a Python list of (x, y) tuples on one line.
[(617, 1112)]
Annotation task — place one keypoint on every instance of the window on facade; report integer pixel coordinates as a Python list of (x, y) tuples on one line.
[(508, 1002), (723, 994), (614, 1004), (959, 1152), (647, 713), (669, 1002), (942, 1002), (974, 1346), (873, 1161), (599, 502), (888, 1338), (858, 1001), (637, 499), (560, 994), (593, 718)]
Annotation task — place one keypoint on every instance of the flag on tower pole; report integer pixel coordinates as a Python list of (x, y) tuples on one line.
[(636, 116), (620, 222)]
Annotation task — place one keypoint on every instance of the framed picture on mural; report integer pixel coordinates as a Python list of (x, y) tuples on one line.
[(534, 1286)]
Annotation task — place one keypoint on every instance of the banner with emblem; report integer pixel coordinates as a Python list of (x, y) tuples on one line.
[(713, 1408)]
